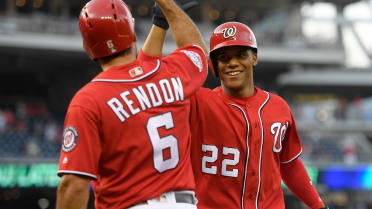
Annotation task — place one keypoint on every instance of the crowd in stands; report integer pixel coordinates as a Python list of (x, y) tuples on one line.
[(330, 108), (335, 143), (29, 130)]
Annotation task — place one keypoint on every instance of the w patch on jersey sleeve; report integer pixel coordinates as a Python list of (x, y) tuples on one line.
[(195, 58), (70, 139)]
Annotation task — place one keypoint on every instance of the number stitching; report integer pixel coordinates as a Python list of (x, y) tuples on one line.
[(225, 162), (161, 143)]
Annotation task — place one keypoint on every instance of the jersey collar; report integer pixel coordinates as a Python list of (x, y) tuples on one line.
[(258, 97), (131, 72)]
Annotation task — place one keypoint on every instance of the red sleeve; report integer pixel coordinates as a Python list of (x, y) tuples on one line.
[(145, 57), (190, 63), (291, 144), (295, 176), (81, 146)]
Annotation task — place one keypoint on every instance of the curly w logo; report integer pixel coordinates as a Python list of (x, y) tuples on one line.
[(278, 130), (229, 32)]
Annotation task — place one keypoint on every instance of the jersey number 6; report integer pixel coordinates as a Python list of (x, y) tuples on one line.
[(161, 143)]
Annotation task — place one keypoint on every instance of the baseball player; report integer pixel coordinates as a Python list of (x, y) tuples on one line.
[(244, 139), (125, 131)]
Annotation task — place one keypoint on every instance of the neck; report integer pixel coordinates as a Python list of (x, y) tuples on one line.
[(120, 60), (246, 92)]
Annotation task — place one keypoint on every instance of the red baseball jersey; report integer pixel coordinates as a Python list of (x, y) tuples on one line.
[(128, 128), (237, 147)]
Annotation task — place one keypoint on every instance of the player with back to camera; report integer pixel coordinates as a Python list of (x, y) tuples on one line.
[(244, 139), (125, 131)]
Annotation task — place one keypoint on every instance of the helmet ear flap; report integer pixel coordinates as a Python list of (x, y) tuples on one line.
[(212, 63)]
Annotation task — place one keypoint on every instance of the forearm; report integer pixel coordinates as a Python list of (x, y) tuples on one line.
[(183, 29), (72, 193), (153, 45), (298, 181)]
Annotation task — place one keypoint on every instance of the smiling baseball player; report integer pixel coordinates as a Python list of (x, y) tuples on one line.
[(244, 139)]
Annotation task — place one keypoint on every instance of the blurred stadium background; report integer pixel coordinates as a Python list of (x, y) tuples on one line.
[(315, 53)]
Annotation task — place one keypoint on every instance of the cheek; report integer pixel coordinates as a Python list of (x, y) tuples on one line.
[(247, 62), (221, 75), (220, 67)]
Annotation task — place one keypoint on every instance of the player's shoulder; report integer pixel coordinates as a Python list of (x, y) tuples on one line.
[(206, 93), (203, 93), (207, 100), (189, 61), (276, 97), (190, 51), (85, 95), (277, 100), (208, 96), (194, 53), (194, 48)]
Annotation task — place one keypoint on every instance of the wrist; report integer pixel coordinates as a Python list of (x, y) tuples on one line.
[(160, 22)]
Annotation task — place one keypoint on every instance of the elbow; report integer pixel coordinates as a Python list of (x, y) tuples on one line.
[(73, 185)]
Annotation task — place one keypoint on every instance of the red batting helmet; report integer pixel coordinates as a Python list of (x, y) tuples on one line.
[(107, 27), (230, 34)]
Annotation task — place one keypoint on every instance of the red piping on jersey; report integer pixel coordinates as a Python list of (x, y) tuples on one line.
[(131, 80)]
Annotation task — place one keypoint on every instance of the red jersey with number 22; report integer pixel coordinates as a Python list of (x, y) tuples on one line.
[(238, 145), (129, 129)]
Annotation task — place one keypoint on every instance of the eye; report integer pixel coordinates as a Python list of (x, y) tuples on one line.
[(243, 54), (223, 58)]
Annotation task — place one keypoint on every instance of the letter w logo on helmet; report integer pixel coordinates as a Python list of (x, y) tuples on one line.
[(229, 32)]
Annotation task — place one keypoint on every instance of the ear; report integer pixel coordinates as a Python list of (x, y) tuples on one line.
[(255, 59)]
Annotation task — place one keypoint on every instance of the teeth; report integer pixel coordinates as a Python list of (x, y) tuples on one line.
[(234, 73)]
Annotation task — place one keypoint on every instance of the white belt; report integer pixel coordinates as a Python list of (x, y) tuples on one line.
[(186, 196)]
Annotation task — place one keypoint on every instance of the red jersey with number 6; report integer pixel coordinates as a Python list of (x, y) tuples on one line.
[(238, 145), (128, 129)]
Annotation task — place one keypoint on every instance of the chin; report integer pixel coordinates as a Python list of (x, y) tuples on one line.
[(233, 83), (234, 87)]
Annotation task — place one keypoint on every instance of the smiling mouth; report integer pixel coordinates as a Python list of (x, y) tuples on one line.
[(233, 73)]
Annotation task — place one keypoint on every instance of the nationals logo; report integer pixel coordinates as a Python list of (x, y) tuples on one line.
[(70, 139), (278, 130), (229, 32)]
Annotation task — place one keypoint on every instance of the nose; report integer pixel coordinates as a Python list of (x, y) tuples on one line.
[(233, 62)]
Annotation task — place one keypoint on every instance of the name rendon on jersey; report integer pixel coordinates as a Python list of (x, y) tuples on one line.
[(148, 96)]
